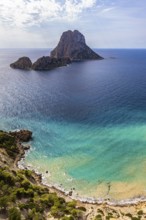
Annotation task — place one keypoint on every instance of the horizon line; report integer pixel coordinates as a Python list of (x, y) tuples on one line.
[(50, 48)]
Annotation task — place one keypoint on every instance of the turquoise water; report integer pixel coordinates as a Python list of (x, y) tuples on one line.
[(88, 121)]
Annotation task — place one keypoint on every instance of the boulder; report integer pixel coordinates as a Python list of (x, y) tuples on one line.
[(23, 63), (72, 44)]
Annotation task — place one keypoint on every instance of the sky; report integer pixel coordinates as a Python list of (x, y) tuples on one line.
[(104, 23)]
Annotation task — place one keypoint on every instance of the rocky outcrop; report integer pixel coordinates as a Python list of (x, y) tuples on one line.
[(23, 63), (22, 135), (48, 63), (72, 44), (71, 47)]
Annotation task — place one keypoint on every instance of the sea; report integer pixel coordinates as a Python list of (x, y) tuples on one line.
[(88, 121)]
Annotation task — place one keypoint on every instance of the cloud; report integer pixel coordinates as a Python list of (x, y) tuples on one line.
[(74, 8), (105, 23), (105, 10), (24, 13), (28, 12)]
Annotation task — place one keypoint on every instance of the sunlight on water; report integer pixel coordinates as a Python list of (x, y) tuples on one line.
[(88, 121)]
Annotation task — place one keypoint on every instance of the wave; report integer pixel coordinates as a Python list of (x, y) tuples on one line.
[(75, 196)]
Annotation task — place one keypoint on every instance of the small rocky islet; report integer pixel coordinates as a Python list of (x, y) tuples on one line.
[(72, 47), (23, 63)]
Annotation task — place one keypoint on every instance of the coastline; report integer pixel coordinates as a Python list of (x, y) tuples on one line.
[(69, 193), (90, 204), (88, 200), (80, 209)]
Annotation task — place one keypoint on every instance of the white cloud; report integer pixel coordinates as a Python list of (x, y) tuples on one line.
[(105, 23), (74, 8), (105, 10), (23, 13)]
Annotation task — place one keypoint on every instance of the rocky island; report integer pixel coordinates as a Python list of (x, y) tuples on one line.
[(72, 44), (71, 48), (23, 63)]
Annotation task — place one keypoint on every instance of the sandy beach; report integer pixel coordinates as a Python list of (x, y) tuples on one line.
[(132, 209), (123, 210)]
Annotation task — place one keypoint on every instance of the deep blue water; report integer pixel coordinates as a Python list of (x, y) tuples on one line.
[(88, 119)]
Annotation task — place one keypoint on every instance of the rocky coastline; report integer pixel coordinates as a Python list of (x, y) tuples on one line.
[(11, 152), (22, 194)]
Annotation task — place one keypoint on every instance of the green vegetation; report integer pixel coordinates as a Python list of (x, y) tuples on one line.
[(8, 142), (98, 217), (22, 198), (14, 214), (140, 212), (100, 211), (128, 215), (133, 217), (33, 200)]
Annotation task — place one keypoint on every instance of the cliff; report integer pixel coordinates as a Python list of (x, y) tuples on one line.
[(72, 44)]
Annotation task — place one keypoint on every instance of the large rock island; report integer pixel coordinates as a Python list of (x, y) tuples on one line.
[(71, 48), (72, 44)]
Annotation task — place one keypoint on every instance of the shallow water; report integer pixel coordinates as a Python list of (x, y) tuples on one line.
[(88, 121)]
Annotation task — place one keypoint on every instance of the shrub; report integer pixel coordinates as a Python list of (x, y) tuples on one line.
[(22, 193), (98, 217), (14, 214), (4, 200), (28, 173), (135, 218), (129, 215), (75, 213), (26, 184), (55, 212), (6, 140), (7, 177), (140, 212), (72, 204), (68, 218), (9, 144), (100, 211), (82, 208)]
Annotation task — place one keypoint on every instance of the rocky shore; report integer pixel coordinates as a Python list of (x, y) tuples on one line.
[(24, 196)]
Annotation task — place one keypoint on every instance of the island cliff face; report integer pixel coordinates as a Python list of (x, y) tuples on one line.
[(72, 44)]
